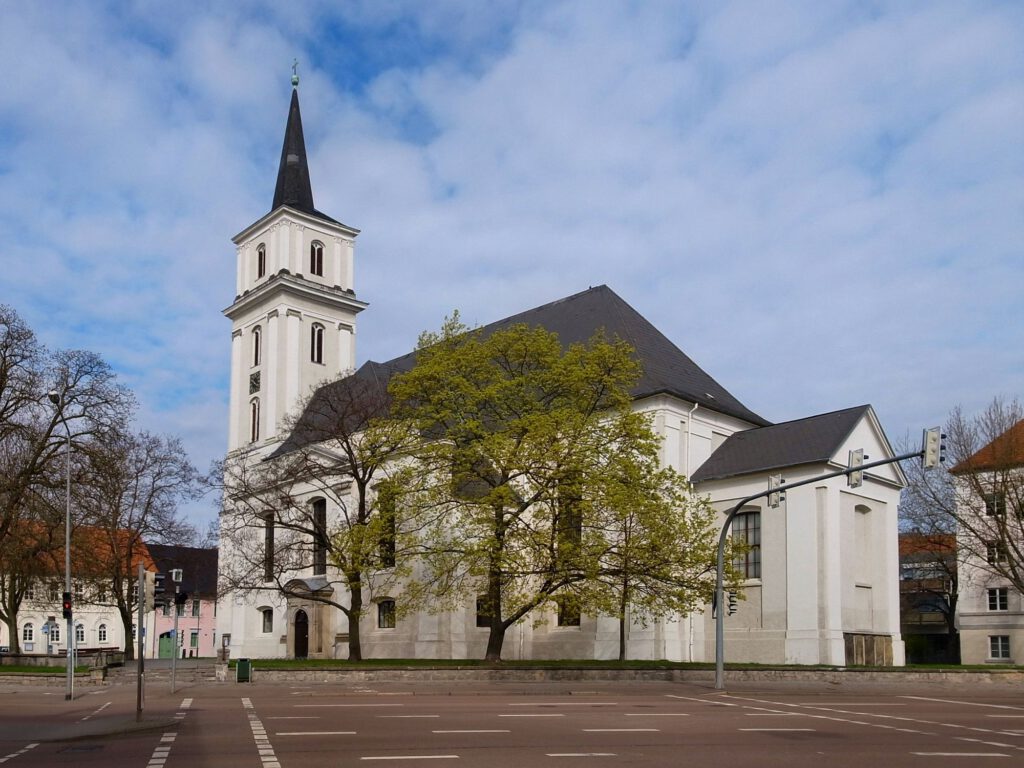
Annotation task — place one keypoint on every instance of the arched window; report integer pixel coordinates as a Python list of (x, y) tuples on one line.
[(55, 633), (746, 529), (268, 620), (257, 344), (101, 634), (28, 633), (316, 343), (254, 420), (261, 260), (316, 259), (319, 515), (79, 634), (386, 614)]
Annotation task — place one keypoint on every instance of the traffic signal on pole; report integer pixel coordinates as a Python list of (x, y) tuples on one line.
[(933, 448), (732, 602), (66, 605), (180, 598), (856, 478)]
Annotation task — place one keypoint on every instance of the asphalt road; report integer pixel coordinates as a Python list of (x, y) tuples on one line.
[(515, 724)]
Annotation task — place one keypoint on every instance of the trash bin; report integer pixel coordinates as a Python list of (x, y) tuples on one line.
[(243, 671)]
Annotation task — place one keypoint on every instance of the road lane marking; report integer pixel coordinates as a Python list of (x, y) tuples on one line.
[(21, 751), (552, 714), (619, 730), (964, 703), (581, 754), (294, 717), (774, 714), (1004, 715), (259, 736), (566, 704), (163, 750), (346, 705), (786, 730), (400, 717), (959, 754), (97, 711), (411, 757), (657, 714), (315, 733), (482, 730)]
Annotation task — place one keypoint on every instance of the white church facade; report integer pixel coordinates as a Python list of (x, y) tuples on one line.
[(821, 574)]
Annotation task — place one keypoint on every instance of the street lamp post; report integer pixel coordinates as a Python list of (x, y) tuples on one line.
[(57, 401)]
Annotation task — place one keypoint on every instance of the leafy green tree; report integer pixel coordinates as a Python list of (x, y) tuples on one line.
[(524, 446), (659, 544)]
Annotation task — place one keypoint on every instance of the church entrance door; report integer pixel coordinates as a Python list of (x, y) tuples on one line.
[(301, 634)]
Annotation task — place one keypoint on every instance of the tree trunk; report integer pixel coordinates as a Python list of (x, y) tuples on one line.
[(355, 649), (12, 632), (129, 644), (495, 639), (622, 620)]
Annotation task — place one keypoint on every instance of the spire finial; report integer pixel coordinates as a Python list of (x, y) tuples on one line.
[(295, 74)]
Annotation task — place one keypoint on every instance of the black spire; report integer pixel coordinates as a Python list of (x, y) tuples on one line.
[(293, 188)]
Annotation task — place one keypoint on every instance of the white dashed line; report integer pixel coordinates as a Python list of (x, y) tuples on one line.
[(21, 751), (581, 754), (162, 751), (964, 703), (775, 730), (399, 717), (546, 714), (959, 754), (411, 757), (97, 711), (657, 714), (315, 733), (620, 730), (259, 735), (482, 730), (307, 706)]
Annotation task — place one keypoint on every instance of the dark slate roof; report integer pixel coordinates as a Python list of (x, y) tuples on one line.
[(804, 441), (576, 318), (198, 565), (293, 186)]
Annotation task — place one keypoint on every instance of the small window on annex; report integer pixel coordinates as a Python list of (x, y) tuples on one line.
[(261, 260), (101, 633), (55, 633), (998, 599), (79, 634), (316, 343), (746, 529), (28, 633), (386, 614), (316, 259), (268, 620), (483, 612), (568, 614), (999, 647)]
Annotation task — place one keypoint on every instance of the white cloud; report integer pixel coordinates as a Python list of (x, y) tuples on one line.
[(821, 205)]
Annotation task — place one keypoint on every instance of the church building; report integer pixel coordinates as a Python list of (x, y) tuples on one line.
[(821, 578)]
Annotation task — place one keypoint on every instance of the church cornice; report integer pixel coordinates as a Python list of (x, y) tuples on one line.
[(285, 213), (285, 283)]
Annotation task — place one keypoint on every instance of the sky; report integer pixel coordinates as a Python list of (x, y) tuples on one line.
[(821, 203)]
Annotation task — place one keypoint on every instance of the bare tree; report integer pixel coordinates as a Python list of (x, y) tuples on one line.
[(326, 497), (134, 484), (33, 443), (981, 497)]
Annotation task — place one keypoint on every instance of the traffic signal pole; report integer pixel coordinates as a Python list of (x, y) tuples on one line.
[(140, 695), (930, 454)]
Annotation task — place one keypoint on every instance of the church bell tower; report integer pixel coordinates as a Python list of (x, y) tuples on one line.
[(293, 320)]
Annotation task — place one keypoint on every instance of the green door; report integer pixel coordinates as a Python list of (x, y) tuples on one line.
[(166, 645)]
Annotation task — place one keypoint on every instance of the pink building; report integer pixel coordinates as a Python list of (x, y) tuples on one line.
[(197, 612)]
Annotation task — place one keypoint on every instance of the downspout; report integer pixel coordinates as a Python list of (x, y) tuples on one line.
[(689, 418)]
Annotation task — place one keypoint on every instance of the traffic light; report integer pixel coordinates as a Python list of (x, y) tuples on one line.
[(933, 448), (732, 602), (855, 479), (66, 605), (180, 598)]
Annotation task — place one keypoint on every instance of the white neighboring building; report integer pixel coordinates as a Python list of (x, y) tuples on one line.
[(823, 581), (990, 611)]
